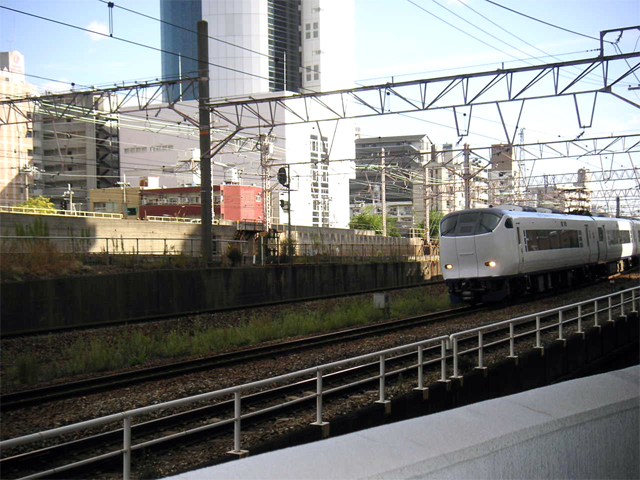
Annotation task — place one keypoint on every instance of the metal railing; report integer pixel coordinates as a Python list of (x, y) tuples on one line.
[(612, 302), (349, 252), (237, 392), (156, 218), (617, 301), (190, 246), (58, 213)]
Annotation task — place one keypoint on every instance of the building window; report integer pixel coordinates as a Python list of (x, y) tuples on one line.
[(159, 148), (135, 150)]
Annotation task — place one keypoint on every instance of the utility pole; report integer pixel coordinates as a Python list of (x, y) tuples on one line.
[(69, 193), (124, 186), (427, 212), (266, 150), (383, 194), (205, 141), (289, 192), (427, 203), (467, 178)]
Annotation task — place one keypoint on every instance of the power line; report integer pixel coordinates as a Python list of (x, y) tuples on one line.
[(460, 30), (515, 36), (130, 42), (546, 23), (471, 66)]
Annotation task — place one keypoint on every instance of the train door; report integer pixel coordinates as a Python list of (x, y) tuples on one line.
[(591, 243), (602, 244), (521, 239)]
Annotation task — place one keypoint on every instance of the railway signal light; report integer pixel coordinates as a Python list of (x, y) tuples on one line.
[(282, 176)]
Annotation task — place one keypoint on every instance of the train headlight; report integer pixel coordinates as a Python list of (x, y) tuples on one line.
[(448, 266), (490, 263)]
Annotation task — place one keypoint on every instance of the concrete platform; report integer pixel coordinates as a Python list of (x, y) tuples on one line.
[(585, 428)]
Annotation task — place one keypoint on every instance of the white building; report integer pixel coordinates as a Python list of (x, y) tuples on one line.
[(19, 142), (259, 47)]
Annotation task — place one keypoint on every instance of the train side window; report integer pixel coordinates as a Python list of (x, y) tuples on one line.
[(543, 240), (600, 234), (508, 223), (554, 239)]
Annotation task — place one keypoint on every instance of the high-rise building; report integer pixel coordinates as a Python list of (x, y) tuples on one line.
[(18, 144), (80, 148), (258, 47)]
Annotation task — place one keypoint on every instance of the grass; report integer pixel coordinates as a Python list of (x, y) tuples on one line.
[(138, 349)]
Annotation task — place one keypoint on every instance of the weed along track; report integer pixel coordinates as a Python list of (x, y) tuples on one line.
[(122, 380)]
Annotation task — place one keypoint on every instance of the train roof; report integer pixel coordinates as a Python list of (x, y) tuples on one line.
[(516, 211)]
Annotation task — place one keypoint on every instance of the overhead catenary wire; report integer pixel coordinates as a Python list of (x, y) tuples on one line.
[(462, 31), (525, 60), (128, 41), (546, 23)]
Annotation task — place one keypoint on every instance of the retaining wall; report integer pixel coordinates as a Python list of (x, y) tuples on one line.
[(99, 299)]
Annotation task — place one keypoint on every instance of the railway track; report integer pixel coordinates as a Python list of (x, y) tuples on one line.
[(39, 396), (359, 378)]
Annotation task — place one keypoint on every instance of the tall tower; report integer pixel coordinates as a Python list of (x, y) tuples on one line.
[(20, 147), (265, 46), (255, 45)]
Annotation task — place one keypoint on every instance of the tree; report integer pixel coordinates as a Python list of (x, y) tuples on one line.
[(434, 223), (40, 202), (367, 220)]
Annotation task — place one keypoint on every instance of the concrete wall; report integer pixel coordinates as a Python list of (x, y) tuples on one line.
[(185, 237), (99, 299)]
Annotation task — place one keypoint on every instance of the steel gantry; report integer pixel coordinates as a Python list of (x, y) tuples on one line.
[(581, 79), (595, 75)]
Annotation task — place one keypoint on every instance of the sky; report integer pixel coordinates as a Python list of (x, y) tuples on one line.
[(396, 40)]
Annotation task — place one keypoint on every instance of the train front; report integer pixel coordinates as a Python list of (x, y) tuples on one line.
[(478, 253)]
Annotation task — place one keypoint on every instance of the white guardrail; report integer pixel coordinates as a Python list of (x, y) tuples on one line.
[(632, 296), (58, 213), (446, 342)]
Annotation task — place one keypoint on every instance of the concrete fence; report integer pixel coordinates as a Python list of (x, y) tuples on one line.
[(101, 299)]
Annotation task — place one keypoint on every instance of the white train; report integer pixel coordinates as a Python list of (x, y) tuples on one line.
[(489, 254)]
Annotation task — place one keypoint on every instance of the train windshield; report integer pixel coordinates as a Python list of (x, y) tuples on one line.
[(468, 223)]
